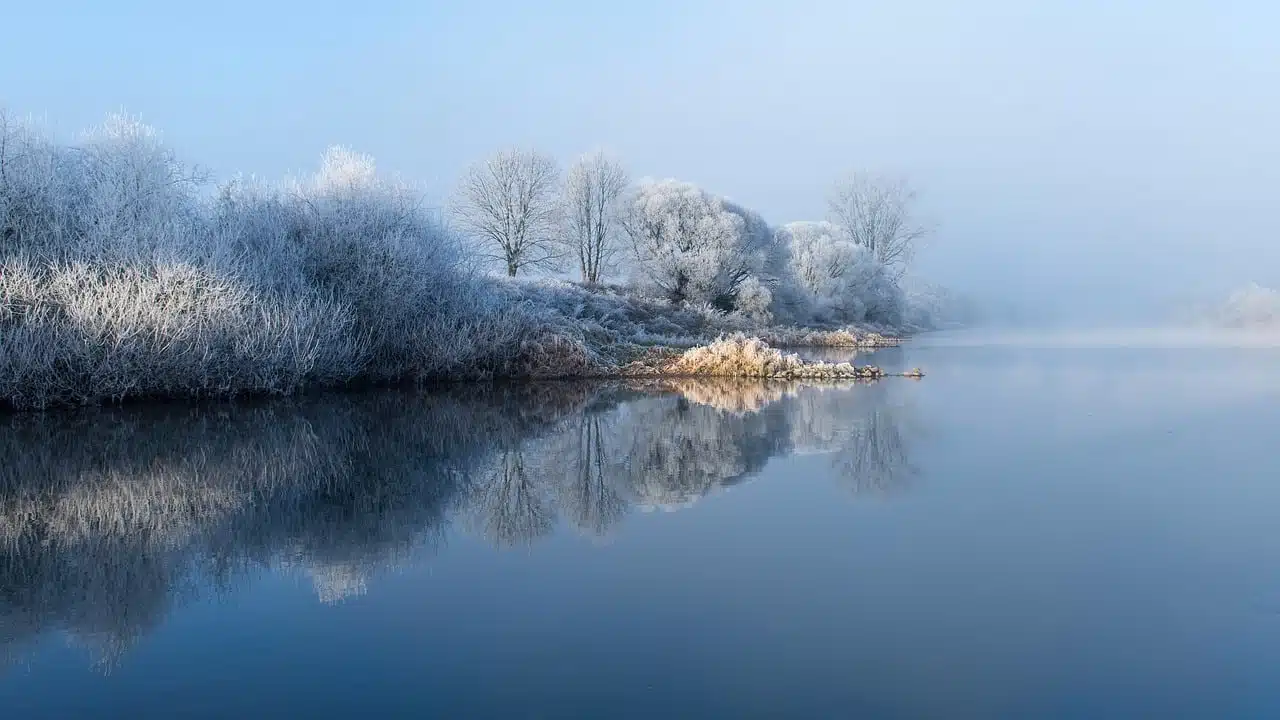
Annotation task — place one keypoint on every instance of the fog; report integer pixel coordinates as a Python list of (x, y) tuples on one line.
[(1133, 338), (1088, 162)]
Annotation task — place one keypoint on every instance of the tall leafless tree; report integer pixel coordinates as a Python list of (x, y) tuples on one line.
[(877, 213), (592, 203), (510, 203)]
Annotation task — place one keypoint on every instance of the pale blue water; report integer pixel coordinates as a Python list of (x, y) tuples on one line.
[(1083, 530)]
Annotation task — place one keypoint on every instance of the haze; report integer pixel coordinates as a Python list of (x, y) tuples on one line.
[(1093, 160)]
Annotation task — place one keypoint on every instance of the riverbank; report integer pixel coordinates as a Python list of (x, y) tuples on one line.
[(79, 336), (124, 276)]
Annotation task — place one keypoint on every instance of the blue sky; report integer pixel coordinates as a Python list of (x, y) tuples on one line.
[(1078, 154)]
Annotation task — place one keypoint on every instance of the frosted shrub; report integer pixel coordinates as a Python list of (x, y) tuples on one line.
[(840, 281), (754, 300), (118, 278), (367, 242), (690, 245), (139, 199)]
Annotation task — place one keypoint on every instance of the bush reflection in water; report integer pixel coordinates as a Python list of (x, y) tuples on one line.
[(110, 517)]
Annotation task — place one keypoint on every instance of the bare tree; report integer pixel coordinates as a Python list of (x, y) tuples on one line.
[(511, 204), (592, 193), (876, 211)]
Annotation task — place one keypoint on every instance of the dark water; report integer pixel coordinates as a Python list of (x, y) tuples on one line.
[(1084, 530)]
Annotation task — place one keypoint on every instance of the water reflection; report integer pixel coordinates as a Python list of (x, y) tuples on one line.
[(892, 359), (109, 518)]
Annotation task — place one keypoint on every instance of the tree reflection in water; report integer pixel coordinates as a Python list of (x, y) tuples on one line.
[(111, 517)]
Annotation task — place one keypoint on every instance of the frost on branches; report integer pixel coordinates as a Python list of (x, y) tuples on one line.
[(120, 277), (125, 274), (593, 190), (841, 281), (692, 246)]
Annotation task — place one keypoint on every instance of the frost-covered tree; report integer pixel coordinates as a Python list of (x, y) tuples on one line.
[(819, 258), (754, 300), (120, 194), (877, 212), (510, 204), (593, 191), (839, 280), (691, 245), (139, 192)]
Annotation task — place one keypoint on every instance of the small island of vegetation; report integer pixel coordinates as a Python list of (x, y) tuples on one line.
[(126, 273)]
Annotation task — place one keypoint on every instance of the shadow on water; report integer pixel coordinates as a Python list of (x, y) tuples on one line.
[(111, 517)]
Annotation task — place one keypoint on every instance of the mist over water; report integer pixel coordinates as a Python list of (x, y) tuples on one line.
[(1135, 337)]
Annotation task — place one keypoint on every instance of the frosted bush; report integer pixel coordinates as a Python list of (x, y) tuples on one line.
[(121, 277), (754, 300), (690, 245), (840, 281), (123, 274)]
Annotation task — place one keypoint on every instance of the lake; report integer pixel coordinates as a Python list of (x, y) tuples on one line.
[(1041, 527)]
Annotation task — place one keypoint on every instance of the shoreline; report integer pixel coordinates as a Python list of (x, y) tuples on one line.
[(122, 278), (738, 356)]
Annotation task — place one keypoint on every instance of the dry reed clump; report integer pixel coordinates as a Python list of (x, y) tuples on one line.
[(748, 357)]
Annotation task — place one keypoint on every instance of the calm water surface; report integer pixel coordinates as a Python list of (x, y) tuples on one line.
[(1036, 529)]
